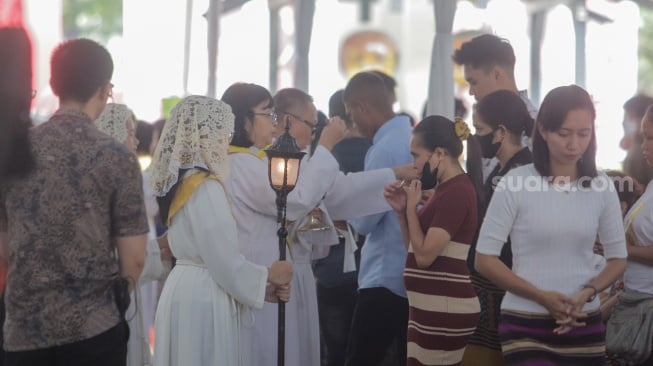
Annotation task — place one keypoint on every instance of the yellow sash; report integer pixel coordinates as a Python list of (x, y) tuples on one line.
[(630, 232), (244, 150), (185, 190)]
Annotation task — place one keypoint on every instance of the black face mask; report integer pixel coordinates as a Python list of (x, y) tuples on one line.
[(429, 178), (488, 149)]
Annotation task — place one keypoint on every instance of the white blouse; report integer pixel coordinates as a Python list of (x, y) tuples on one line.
[(552, 230), (639, 276)]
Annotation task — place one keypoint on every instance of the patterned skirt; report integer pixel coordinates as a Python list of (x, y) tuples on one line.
[(528, 340), (490, 297)]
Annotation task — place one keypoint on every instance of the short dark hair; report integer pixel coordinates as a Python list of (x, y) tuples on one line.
[(554, 110), (337, 107), (369, 87), (389, 82), (79, 68), (243, 98), (288, 100), (504, 107), (637, 105), (486, 51), (144, 133)]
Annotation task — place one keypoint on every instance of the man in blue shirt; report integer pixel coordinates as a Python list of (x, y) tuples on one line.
[(337, 290), (381, 314)]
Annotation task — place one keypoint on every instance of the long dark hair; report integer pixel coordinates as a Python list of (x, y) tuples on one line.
[(439, 131), (16, 159), (243, 97), (504, 107), (554, 110)]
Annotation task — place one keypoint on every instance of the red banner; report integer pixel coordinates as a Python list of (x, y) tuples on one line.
[(11, 13)]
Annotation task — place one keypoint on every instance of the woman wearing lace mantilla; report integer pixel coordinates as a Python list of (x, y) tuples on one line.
[(198, 317), (118, 121)]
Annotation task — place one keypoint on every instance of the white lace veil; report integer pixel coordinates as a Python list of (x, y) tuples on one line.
[(113, 121), (196, 135)]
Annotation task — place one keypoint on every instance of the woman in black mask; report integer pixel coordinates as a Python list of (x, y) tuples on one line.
[(501, 121), (438, 237)]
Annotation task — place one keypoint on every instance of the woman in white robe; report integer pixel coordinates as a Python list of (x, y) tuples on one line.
[(320, 183), (198, 318), (118, 121)]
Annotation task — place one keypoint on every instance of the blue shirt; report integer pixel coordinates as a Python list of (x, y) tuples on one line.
[(384, 253)]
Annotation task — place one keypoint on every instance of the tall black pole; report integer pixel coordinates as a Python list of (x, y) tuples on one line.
[(282, 233), (284, 148)]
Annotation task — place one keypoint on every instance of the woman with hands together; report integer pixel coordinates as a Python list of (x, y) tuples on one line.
[(553, 210), (438, 237), (209, 295)]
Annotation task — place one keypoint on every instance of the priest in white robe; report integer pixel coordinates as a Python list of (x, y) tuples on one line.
[(320, 184)]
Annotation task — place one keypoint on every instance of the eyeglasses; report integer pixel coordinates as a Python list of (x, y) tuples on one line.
[(272, 115), (310, 124)]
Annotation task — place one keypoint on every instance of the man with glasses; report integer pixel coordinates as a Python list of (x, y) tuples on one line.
[(311, 125), (296, 107), (256, 215), (349, 196)]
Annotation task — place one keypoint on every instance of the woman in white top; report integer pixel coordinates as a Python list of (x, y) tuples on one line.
[(553, 210), (198, 319), (623, 326), (118, 121), (639, 227)]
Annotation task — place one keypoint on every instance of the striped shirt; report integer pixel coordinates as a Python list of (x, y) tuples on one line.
[(444, 309)]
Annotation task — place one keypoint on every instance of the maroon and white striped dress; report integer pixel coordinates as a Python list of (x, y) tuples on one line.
[(444, 309)]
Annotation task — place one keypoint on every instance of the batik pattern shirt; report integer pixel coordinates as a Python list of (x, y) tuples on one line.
[(62, 222)]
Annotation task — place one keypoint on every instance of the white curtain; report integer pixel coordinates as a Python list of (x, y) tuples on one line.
[(441, 98), (304, 11)]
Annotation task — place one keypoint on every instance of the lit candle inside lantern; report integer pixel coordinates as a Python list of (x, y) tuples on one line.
[(279, 166)]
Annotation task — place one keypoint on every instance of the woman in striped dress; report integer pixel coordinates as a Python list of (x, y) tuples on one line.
[(553, 210), (443, 307)]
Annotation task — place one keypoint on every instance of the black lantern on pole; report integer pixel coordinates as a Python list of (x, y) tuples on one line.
[(284, 158)]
